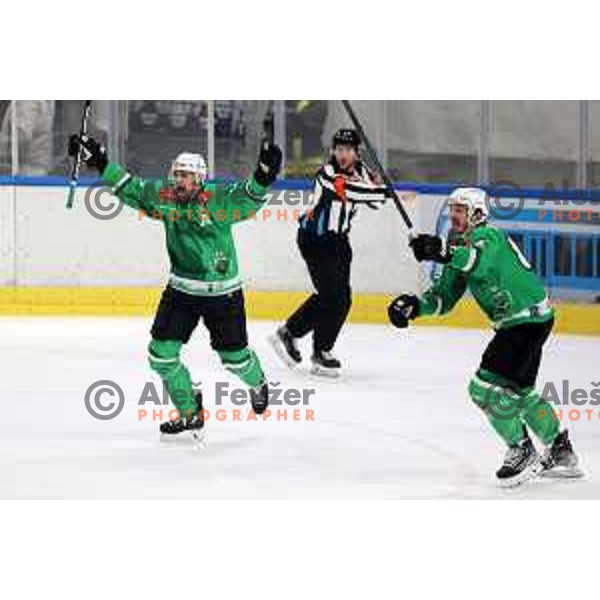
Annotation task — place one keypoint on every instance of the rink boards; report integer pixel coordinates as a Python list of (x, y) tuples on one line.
[(59, 262)]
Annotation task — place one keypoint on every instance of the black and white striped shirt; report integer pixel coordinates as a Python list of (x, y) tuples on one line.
[(336, 198)]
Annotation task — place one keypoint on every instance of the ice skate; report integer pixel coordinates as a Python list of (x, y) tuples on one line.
[(285, 347), (325, 364), (560, 461), (521, 463), (260, 398), (188, 429)]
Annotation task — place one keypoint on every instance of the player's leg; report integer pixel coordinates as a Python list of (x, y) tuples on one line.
[(325, 311), (559, 457), (496, 389), (512, 360), (225, 319), (537, 413), (302, 320), (335, 299), (496, 396), (173, 325)]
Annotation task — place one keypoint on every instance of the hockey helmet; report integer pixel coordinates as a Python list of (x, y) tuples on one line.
[(188, 162), (476, 202), (346, 137)]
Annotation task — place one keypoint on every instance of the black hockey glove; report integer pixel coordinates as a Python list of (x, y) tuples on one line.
[(93, 154), (429, 247), (403, 309), (269, 163)]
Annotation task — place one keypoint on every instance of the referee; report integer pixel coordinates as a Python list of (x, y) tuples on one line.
[(341, 186)]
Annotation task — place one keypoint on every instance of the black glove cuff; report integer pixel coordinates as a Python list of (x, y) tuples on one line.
[(262, 178)]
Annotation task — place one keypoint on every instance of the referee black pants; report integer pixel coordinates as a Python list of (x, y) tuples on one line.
[(328, 259)]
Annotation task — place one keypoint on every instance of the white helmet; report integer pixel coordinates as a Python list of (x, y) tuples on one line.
[(190, 163), (475, 200)]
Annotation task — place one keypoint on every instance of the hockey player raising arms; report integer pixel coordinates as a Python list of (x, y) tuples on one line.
[(204, 281), (486, 261)]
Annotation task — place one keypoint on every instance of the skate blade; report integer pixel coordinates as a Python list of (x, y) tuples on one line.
[(279, 348), (323, 372), (528, 474), (563, 473), (195, 439)]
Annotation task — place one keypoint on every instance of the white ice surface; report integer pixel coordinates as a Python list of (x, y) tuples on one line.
[(398, 424)]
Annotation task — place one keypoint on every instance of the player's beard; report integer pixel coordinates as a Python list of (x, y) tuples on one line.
[(183, 195)]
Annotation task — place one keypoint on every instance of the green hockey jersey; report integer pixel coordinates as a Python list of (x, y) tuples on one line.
[(198, 232), (490, 265)]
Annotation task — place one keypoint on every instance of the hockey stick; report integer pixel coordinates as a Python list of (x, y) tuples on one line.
[(87, 105), (374, 159)]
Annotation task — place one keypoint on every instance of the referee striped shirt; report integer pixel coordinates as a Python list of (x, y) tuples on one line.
[(337, 196)]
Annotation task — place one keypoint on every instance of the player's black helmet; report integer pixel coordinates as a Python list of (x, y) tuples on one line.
[(346, 137)]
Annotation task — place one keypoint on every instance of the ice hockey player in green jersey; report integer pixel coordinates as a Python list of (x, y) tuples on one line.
[(486, 261), (204, 282)]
